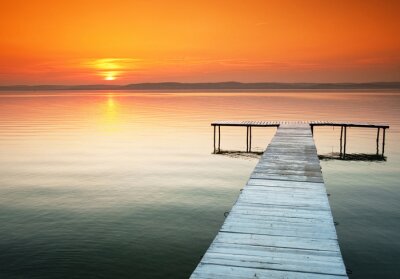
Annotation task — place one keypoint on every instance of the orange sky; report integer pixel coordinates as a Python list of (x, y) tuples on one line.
[(85, 41)]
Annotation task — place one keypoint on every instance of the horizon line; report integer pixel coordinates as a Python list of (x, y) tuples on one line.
[(207, 85)]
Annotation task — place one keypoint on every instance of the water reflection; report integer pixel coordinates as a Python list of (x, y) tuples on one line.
[(353, 157), (109, 118), (240, 154)]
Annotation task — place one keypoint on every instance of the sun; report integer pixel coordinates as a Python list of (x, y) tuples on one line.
[(111, 75), (110, 69)]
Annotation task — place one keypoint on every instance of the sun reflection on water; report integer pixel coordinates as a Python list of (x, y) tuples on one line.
[(109, 120)]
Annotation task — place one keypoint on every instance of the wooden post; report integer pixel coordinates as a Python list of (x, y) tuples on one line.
[(312, 129), (219, 138), (377, 141), (247, 138), (341, 141), (214, 139), (383, 141), (345, 141), (250, 140)]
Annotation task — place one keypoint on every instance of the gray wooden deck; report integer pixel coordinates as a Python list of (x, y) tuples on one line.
[(281, 225)]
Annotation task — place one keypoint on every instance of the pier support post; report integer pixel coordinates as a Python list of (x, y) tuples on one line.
[(341, 141), (247, 138), (214, 139), (383, 141), (250, 139), (312, 130), (219, 138), (345, 141), (377, 141)]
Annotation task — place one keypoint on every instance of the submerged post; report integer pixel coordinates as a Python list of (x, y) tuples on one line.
[(345, 141), (219, 138), (341, 140), (383, 141), (247, 138), (377, 141), (214, 139), (250, 140)]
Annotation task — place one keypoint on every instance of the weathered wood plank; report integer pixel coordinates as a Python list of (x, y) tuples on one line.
[(282, 183), (304, 178), (274, 260), (226, 271), (277, 241)]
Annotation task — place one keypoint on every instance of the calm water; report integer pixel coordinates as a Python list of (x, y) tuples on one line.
[(124, 185)]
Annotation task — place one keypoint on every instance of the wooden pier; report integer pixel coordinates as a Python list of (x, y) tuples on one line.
[(281, 225)]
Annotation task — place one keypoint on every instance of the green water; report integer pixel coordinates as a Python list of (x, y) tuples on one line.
[(125, 185)]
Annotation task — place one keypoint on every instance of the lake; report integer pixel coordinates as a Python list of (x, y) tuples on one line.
[(125, 185)]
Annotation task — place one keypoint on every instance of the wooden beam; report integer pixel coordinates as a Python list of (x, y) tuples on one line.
[(219, 138), (341, 140), (345, 141), (377, 141), (214, 139), (383, 141), (247, 138), (250, 140)]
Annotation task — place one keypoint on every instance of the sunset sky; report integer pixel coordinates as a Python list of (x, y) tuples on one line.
[(120, 42)]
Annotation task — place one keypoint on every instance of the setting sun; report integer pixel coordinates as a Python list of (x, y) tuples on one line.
[(111, 68), (110, 76)]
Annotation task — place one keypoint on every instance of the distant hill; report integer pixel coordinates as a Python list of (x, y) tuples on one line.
[(206, 86)]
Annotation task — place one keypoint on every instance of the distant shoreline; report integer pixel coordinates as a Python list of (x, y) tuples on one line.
[(210, 86)]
